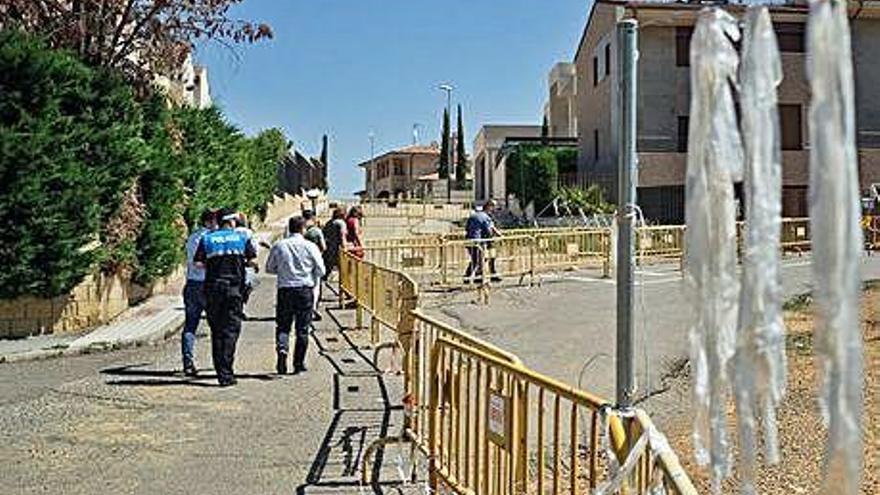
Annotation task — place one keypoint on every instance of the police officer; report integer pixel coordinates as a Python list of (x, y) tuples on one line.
[(224, 253)]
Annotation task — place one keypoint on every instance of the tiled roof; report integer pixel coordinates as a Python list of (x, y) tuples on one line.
[(414, 149)]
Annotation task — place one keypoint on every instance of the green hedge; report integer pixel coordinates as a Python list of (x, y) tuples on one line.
[(532, 174), (74, 138)]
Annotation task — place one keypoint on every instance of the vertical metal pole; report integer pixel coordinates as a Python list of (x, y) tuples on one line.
[(449, 149), (627, 69), (372, 165)]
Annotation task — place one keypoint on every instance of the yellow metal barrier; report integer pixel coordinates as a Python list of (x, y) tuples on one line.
[(570, 249), (659, 243), (470, 407), (795, 236), (388, 296), (428, 331), (449, 212), (444, 261), (497, 427)]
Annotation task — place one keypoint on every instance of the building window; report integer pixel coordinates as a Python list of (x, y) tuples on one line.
[(595, 71), (595, 145), (790, 126), (790, 36), (398, 166), (683, 121), (683, 46), (608, 59)]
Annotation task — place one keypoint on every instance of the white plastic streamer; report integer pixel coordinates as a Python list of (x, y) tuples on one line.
[(759, 362), (836, 241), (715, 159)]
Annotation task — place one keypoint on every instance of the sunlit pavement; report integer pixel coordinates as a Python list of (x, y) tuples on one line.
[(129, 422)]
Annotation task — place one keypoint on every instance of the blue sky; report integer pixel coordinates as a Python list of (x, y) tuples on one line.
[(349, 67)]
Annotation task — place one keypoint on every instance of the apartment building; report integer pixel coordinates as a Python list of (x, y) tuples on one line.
[(664, 99), (560, 110)]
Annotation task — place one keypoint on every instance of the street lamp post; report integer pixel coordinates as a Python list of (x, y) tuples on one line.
[(372, 168), (448, 88)]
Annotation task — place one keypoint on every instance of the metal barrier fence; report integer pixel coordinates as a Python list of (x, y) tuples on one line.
[(659, 243), (442, 260), (496, 425), (388, 296), (481, 417), (653, 243), (416, 210)]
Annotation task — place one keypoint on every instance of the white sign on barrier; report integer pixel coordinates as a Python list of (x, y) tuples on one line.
[(498, 419)]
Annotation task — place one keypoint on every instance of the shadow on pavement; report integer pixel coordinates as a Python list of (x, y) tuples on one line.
[(153, 378), (362, 414)]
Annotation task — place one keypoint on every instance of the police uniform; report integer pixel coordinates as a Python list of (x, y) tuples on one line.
[(224, 253)]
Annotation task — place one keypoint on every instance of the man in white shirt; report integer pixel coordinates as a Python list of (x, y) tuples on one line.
[(299, 267)]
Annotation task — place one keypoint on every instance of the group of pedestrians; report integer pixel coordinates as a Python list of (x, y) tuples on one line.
[(221, 273)]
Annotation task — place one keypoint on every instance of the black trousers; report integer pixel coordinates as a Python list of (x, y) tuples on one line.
[(224, 310), (294, 308), (475, 267)]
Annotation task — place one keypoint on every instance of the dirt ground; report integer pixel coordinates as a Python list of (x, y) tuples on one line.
[(801, 433)]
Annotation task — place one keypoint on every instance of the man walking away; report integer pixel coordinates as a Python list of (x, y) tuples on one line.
[(194, 292), (314, 235), (334, 238), (299, 267), (224, 253), (480, 228)]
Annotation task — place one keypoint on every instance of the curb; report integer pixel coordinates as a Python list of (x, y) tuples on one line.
[(157, 336)]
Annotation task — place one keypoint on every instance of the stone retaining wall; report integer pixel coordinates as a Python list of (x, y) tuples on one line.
[(99, 298), (96, 300)]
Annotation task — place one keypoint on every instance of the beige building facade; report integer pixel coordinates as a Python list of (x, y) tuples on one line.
[(489, 171), (664, 100), (560, 111), (400, 173)]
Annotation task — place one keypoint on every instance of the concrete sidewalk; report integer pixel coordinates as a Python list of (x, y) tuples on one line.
[(149, 323)]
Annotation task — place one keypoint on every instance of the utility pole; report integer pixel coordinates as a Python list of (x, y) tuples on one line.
[(627, 70)]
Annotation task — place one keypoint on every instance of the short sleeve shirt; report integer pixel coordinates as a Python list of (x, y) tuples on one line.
[(224, 253), (315, 235), (479, 226)]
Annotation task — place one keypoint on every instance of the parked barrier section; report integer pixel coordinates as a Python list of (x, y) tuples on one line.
[(488, 424), (659, 243), (498, 427)]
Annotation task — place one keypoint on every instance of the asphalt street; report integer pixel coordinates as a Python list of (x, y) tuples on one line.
[(129, 422)]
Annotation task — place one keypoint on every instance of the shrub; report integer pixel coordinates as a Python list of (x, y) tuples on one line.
[(91, 176), (591, 200), (70, 143), (532, 174)]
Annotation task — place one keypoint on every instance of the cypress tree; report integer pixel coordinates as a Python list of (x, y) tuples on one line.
[(545, 131), (324, 161), (461, 165), (443, 165)]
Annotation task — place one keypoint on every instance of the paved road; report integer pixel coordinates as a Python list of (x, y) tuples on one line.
[(127, 422), (568, 321)]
